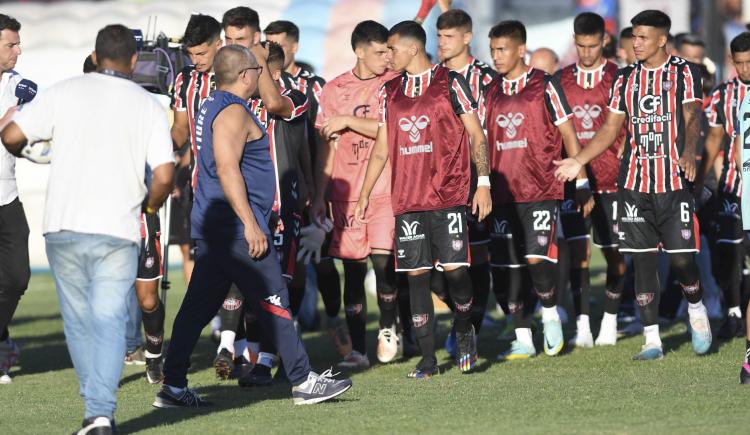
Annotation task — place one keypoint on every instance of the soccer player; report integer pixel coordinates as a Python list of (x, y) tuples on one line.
[(586, 86), (527, 120), (454, 29), (234, 199), (427, 121), (348, 123), (625, 51), (723, 120), (659, 99)]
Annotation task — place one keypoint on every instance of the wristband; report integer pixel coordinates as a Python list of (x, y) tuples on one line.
[(150, 210), (583, 184), (483, 181)]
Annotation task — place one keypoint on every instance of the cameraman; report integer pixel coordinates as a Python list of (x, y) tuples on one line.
[(94, 194), (14, 231)]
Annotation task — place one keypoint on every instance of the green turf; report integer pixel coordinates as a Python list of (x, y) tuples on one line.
[(584, 391)]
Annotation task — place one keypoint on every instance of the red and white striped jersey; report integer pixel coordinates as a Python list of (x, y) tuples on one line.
[(478, 75), (190, 90), (722, 112), (652, 101)]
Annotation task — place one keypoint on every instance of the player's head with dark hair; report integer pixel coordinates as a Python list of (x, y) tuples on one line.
[(115, 46), (690, 47), (10, 42), (626, 33), (708, 79), (241, 26), (508, 46), (650, 34), (286, 34), (89, 65), (370, 45), (406, 40), (610, 46), (588, 23), (202, 39), (588, 36), (454, 34), (625, 49), (275, 59), (740, 49), (235, 63)]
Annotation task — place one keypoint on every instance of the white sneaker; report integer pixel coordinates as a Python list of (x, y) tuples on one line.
[(607, 335), (355, 360), (5, 378), (388, 343), (582, 339)]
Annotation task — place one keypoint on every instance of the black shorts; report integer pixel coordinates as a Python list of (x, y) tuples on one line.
[(574, 225), (479, 233), (648, 222), (604, 220), (179, 222), (286, 243), (149, 260), (523, 230), (427, 239), (729, 220)]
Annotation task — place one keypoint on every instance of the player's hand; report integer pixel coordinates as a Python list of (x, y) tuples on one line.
[(687, 163), (481, 204), (360, 209), (567, 169), (620, 151), (257, 241), (334, 125), (260, 52), (584, 201)]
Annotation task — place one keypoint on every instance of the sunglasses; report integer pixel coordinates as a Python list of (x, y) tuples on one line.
[(259, 68)]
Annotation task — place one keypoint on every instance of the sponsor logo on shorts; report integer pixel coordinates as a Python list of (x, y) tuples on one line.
[(730, 208), (631, 214), (686, 234), (411, 233), (401, 253), (419, 320), (542, 240), (149, 262), (643, 299), (464, 307), (457, 245), (232, 304), (568, 207), (500, 228)]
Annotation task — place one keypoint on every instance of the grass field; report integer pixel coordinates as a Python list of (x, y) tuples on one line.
[(584, 391)]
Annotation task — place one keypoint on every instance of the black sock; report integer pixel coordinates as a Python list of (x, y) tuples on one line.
[(459, 288), (355, 306), (404, 304), (231, 310), (329, 287), (480, 282), (385, 284), (5, 334), (613, 292), (153, 326), (423, 313), (543, 277), (647, 289), (581, 289), (296, 294)]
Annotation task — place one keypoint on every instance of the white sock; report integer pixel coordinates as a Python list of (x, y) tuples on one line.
[(609, 319), (696, 309), (240, 346), (524, 336), (735, 311), (227, 340), (583, 325), (651, 333), (550, 314)]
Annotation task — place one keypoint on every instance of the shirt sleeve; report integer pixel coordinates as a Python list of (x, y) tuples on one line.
[(616, 94), (691, 74), (36, 119), (381, 106), (460, 92), (178, 93), (298, 101), (323, 110), (159, 150), (557, 104), (715, 112)]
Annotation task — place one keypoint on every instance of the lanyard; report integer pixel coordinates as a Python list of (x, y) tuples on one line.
[(114, 73)]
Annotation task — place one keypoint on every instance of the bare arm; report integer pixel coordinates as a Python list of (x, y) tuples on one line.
[(180, 131), (230, 132), (378, 159), (738, 151), (712, 147), (269, 92), (691, 112), (161, 184), (481, 204), (365, 126), (570, 142), (570, 168), (13, 138)]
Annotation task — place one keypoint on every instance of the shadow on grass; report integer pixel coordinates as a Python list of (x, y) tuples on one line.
[(20, 320)]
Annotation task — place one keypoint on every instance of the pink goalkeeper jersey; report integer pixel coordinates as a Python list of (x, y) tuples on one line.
[(349, 95)]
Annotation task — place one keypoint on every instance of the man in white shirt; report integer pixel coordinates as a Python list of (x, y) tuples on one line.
[(14, 231), (104, 130)]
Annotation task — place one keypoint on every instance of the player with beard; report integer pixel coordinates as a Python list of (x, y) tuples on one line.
[(729, 237), (527, 119), (427, 123), (454, 29), (347, 121), (659, 99), (586, 85)]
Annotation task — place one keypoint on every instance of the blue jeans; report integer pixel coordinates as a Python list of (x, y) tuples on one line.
[(94, 276), (133, 336)]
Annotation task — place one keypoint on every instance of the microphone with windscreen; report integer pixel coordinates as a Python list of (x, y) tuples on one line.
[(25, 91)]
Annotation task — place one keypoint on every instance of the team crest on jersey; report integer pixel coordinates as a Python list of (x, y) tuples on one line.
[(414, 126), (667, 84), (587, 114), (542, 240), (149, 262), (686, 234), (457, 245), (509, 123)]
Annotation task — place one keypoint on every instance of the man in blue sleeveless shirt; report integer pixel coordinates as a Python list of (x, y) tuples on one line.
[(234, 196)]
